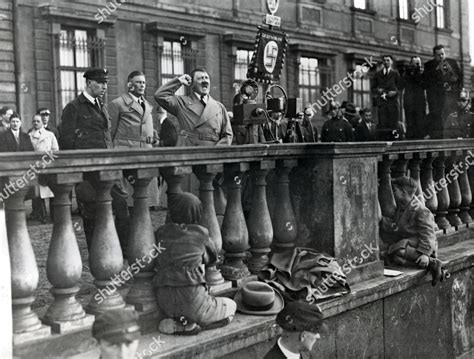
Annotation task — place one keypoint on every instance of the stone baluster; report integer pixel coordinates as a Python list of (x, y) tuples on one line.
[(414, 167), (386, 199), (174, 177), (470, 176), (283, 217), (399, 167), (442, 193), (452, 174), (141, 248), (24, 271), (64, 264), (427, 184), (105, 255), (220, 200), (206, 175), (235, 237), (259, 221), (466, 192)]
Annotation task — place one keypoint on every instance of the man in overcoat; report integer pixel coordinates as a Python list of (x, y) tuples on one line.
[(85, 124), (385, 87), (202, 120)]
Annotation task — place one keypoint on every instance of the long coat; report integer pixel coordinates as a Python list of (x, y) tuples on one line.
[(363, 134), (199, 125), (43, 140), (388, 107), (84, 126), (133, 127), (337, 130), (8, 142), (130, 125)]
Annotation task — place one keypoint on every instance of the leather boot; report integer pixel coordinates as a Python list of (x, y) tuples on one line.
[(435, 267)]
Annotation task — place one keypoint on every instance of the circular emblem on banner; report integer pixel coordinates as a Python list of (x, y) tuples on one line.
[(272, 6), (270, 55)]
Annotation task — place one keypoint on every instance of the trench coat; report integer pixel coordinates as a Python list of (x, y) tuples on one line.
[(131, 127), (199, 125)]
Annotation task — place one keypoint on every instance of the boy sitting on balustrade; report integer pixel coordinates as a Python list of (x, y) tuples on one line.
[(411, 234), (182, 292)]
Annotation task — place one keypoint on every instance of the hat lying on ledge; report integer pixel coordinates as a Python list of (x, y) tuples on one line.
[(258, 298)]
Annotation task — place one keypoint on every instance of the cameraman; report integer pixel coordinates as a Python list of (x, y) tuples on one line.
[(414, 100)]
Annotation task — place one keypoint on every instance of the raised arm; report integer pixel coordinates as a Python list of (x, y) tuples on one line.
[(165, 95)]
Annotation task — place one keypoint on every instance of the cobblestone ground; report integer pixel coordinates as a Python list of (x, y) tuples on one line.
[(40, 235)]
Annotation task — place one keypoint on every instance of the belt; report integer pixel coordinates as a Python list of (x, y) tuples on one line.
[(140, 139), (200, 136)]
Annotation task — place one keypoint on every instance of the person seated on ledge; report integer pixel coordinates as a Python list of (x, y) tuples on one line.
[(181, 289), (301, 325), (117, 332), (411, 234)]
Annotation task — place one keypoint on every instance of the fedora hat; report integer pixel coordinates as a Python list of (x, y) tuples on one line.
[(258, 298)]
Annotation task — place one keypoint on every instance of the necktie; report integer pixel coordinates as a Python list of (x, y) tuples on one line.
[(142, 103), (203, 101), (97, 104)]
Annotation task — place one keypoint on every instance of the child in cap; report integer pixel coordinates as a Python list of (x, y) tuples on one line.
[(181, 289), (411, 233)]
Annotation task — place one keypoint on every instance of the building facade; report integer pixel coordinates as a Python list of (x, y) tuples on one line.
[(46, 45)]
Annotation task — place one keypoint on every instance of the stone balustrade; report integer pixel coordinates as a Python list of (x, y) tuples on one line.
[(323, 196)]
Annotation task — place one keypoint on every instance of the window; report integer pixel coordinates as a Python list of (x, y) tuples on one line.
[(314, 76), (441, 14), (78, 50), (403, 9), (360, 4), (177, 58), (361, 95), (242, 61)]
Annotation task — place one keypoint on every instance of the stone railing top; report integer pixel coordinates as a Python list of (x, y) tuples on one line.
[(78, 161)]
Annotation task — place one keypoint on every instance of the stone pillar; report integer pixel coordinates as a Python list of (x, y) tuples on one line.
[(466, 192), (24, 271), (206, 175), (235, 237), (259, 221), (105, 256), (174, 177), (414, 166), (64, 264), (399, 167), (141, 249), (427, 184), (470, 176), (220, 200), (6, 347), (283, 217), (454, 191), (340, 207), (386, 198), (442, 194)]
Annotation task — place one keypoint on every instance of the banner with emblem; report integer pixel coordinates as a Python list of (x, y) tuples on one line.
[(269, 56)]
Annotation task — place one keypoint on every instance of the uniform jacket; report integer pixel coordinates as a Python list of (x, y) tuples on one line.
[(199, 125), (84, 126), (337, 130), (415, 221), (390, 82), (458, 124), (275, 353), (362, 132), (188, 250), (414, 94), (43, 140), (130, 125), (8, 142)]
